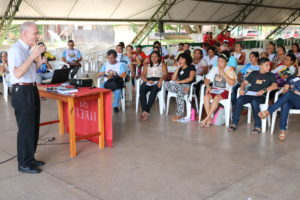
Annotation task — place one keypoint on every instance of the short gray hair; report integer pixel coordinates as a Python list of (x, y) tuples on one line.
[(26, 25)]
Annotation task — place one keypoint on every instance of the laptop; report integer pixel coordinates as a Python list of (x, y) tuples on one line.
[(59, 76)]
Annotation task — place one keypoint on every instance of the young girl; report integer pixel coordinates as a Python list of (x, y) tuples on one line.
[(223, 78)]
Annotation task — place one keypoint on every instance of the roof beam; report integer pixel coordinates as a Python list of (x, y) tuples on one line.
[(247, 4), (289, 20), (162, 10), (6, 20), (242, 15), (142, 21)]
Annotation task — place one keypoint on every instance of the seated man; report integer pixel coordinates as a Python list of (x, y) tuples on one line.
[(261, 81), (125, 60), (72, 57), (113, 69), (163, 51)]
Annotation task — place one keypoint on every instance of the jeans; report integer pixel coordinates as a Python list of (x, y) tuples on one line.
[(144, 89), (44, 76), (234, 94), (74, 69), (287, 101), (255, 102), (117, 96)]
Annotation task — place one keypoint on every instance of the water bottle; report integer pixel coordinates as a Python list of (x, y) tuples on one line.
[(193, 114)]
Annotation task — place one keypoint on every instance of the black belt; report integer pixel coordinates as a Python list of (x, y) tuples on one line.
[(27, 84)]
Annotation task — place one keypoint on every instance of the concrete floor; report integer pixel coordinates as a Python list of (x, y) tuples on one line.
[(157, 159)]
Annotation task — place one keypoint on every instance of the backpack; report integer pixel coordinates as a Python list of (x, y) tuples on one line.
[(219, 116), (114, 83)]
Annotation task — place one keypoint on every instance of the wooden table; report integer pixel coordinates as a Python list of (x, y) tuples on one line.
[(83, 95)]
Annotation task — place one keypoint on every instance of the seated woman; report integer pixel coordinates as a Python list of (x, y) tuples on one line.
[(289, 100), (4, 67), (264, 54), (223, 78), (211, 57), (135, 61), (261, 82), (3, 62), (153, 75), (279, 57), (282, 72), (113, 69), (182, 79), (244, 72), (239, 54), (296, 51), (200, 63)]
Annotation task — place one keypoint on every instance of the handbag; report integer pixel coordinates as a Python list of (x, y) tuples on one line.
[(114, 83)]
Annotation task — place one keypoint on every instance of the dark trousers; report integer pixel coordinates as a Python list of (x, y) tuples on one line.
[(74, 69), (255, 102), (288, 101), (144, 89), (234, 94), (26, 103)]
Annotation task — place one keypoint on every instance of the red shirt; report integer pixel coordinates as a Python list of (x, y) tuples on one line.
[(220, 37), (142, 54)]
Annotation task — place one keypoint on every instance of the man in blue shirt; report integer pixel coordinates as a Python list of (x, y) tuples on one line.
[(72, 57), (110, 69)]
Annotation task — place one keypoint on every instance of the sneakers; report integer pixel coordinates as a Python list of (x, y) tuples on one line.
[(116, 110)]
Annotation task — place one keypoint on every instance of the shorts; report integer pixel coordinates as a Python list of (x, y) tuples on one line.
[(224, 95)]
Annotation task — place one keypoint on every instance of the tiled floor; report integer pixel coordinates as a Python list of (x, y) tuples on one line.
[(157, 159)]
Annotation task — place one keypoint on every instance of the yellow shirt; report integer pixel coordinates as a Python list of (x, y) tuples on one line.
[(48, 55)]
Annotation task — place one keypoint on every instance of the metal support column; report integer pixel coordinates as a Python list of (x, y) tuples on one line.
[(162, 10), (10, 13), (242, 15), (289, 20)]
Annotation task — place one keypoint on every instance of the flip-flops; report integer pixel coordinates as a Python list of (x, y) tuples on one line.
[(256, 131), (232, 128)]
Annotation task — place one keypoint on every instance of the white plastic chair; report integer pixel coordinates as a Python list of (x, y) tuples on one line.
[(225, 102), (263, 106), (274, 115), (101, 79), (188, 97), (5, 87), (160, 96)]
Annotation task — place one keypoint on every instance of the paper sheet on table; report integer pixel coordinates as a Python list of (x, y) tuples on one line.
[(216, 91), (154, 83), (251, 93)]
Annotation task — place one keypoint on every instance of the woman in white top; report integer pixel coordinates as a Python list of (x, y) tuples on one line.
[(239, 54), (211, 57), (199, 62), (153, 75), (223, 78)]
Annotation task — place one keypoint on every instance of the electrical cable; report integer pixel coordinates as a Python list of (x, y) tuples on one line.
[(50, 139)]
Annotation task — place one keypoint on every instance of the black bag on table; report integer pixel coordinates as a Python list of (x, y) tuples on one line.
[(114, 83)]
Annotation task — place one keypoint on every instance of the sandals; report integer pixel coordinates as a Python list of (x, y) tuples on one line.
[(232, 128), (256, 131), (282, 136)]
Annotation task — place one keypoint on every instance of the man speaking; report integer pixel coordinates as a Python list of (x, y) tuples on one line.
[(24, 57)]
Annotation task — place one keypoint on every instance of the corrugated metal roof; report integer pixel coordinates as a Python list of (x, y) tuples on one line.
[(191, 11)]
